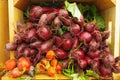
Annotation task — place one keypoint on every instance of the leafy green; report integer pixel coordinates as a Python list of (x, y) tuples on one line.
[(100, 23), (26, 78), (26, 13), (71, 73), (90, 14), (92, 74), (60, 32), (73, 9), (64, 28), (70, 70)]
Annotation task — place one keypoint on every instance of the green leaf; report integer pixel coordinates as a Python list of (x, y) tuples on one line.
[(26, 13), (27, 78), (100, 22), (60, 32), (73, 9), (93, 10), (65, 28), (92, 74)]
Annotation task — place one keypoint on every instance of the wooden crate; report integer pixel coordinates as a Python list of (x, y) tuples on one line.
[(109, 10)]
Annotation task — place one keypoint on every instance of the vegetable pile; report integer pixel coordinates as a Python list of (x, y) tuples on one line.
[(69, 39)]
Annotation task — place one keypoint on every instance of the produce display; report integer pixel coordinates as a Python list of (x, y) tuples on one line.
[(66, 38)]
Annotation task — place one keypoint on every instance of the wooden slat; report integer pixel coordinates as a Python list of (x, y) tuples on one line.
[(4, 31), (21, 4), (104, 4), (38, 1), (11, 24), (117, 30), (110, 24)]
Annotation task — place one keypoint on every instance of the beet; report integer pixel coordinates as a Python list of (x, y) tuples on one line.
[(82, 63), (30, 35), (35, 44), (58, 41), (105, 71), (61, 54), (94, 45), (44, 33), (65, 21), (43, 20), (67, 44), (105, 35), (18, 55), (94, 54), (50, 17), (75, 42), (90, 27), (88, 59), (11, 46), (35, 13), (74, 29), (18, 39), (21, 47), (78, 54), (63, 12), (97, 35), (57, 22), (85, 36), (45, 46), (108, 59), (47, 9), (67, 35)]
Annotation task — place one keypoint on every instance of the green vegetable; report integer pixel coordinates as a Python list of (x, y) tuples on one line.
[(100, 22), (26, 78), (26, 13), (64, 28), (73, 9), (91, 15), (60, 32), (92, 74)]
